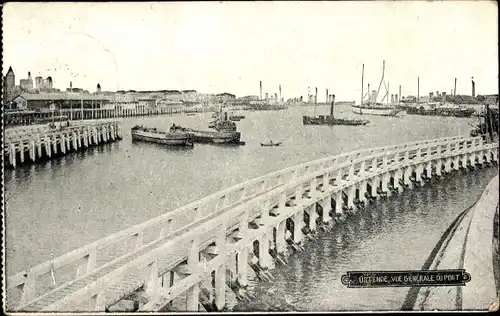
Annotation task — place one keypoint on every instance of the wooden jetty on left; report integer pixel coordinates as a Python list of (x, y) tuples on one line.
[(43, 141)]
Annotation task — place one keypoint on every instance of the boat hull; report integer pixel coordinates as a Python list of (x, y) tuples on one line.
[(328, 120), (170, 139), (440, 112), (213, 137), (389, 111)]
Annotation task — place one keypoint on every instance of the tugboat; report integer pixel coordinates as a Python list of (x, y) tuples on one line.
[(330, 119), (225, 131), (151, 134)]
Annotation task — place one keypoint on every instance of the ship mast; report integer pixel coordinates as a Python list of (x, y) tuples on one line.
[(381, 80), (362, 84)]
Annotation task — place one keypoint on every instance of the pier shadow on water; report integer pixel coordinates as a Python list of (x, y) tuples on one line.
[(395, 233)]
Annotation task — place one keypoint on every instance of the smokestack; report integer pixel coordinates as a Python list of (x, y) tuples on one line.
[(280, 92), (396, 98), (260, 90), (368, 91), (326, 100), (473, 87), (399, 93), (455, 88), (316, 96), (333, 103), (418, 90), (266, 95)]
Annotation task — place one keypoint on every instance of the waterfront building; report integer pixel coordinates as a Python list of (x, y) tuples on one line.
[(35, 101), (9, 85), (44, 85), (26, 84), (225, 97)]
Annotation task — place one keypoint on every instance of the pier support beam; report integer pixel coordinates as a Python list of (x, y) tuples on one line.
[(193, 293), (447, 165), (407, 175), (63, 143), (243, 267), (32, 150), (418, 174), (280, 237), (75, 147), (265, 260), (386, 177), (351, 194), (439, 167), (48, 146), (220, 272), (243, 254), (428, 169), (54, 144), (313, 216), (12, 155), (220, 287), (339, 203), (362, 191), (326, 205), (374, 184), (39, 146), (298, 220)]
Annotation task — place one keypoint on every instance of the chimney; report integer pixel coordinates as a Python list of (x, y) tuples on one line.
[(326, 100), (260, 90), (418, 89), (455, 88), (316, 96), (473, 88), (70, 85), (266, 95), (399, 92), (396, 98), (280, 92)]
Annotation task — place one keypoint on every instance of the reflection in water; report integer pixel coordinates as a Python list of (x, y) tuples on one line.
[(397, 234)]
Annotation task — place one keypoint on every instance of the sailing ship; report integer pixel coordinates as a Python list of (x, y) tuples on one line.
[(372, 107), (330, 119), (151, 134)]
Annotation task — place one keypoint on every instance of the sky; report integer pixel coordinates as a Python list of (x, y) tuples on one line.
[(216, 47)]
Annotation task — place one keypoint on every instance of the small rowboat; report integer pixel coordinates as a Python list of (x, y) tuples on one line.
[(270, 144)]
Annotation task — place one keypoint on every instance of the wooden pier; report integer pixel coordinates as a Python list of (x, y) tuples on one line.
[(29, 117), (29, 144)]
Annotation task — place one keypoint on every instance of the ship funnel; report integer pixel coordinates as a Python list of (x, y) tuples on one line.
[(333, 103), (473, 87)]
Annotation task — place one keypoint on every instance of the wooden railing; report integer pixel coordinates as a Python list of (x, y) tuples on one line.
[(244, 194)]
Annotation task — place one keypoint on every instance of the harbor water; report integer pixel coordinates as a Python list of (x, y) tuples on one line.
[(82, 197)]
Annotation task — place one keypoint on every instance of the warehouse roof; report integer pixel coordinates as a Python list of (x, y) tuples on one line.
[(54, 96)]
